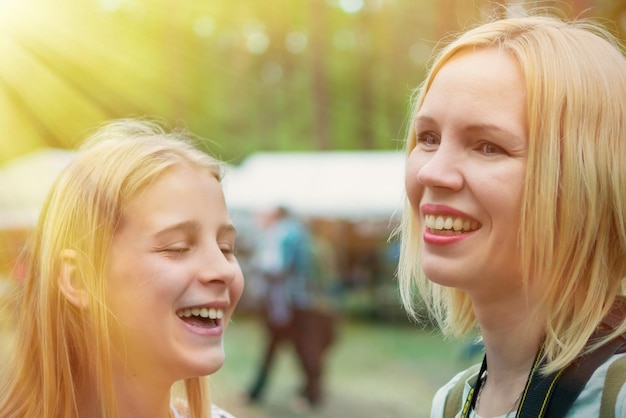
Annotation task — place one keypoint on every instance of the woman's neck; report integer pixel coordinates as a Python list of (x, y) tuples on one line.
[(512, 333)]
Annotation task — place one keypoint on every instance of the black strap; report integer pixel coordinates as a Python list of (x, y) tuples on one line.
[(535, 384), (470, 400), (537, 392), (554, 394), (577, 374)]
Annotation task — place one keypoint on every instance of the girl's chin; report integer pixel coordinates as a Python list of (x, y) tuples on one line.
[(206, 368)]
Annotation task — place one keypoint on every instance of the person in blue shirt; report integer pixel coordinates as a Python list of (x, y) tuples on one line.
[(285, 262)]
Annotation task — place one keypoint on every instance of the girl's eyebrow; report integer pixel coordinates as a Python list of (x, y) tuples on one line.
[(192, 226), (228, 228), (184, 226)]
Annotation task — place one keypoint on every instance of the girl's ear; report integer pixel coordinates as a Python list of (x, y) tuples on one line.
[(72, 286)]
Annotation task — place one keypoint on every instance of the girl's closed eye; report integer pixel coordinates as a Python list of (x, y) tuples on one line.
[(175, 250), (228, 249)]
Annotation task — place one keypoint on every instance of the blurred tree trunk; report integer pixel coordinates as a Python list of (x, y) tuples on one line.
[(616, 12), (319, 45), (579, 7), (366, 76), (457, 15), (175, 68)]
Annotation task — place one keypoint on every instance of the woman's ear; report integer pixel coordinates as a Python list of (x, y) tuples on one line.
[(71, 286)]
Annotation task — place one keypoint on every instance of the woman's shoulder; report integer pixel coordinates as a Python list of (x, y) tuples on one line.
[(593, 395), (457, 387)]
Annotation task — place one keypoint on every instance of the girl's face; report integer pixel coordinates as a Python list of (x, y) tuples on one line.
[(172, 278), (465, 176)]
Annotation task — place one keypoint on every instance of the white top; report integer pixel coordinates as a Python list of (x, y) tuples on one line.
[(587, 405), (216, 412)]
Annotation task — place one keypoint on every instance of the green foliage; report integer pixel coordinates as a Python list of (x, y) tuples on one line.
[(245, 74)]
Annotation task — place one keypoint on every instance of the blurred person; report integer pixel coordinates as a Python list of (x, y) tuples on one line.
[(284, 261), (327, 275), (515, 220), (130, 283)]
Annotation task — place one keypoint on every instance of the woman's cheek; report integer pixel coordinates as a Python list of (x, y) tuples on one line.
[(413, 188)]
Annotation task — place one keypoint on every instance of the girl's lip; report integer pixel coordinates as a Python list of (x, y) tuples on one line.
[(224, 305), (216, 331)]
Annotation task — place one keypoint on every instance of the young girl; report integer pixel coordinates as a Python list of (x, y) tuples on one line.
[(132, 280)]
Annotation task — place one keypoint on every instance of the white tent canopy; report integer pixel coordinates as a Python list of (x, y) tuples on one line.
[(342, 184), (350, 185), (24, 184)]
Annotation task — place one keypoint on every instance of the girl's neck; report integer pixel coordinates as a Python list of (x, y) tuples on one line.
[(134, 399), (142, 399)]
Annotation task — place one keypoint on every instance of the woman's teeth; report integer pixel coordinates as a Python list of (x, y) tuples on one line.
[(201, 312), (449, 224)]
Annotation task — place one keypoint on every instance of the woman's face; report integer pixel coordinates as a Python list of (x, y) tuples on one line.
[(172, 277), (465, 176)]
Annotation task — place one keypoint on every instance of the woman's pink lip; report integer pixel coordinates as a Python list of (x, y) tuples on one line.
[(433, 209), (437, 239), (443, 210)]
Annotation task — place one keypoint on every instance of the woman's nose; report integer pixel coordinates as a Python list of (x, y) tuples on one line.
[(441, 168)]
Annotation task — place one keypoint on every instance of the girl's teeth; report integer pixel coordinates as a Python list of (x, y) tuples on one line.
[(201, 312)]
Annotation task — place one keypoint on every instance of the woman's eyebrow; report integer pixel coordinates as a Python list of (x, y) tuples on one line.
[(490, 127)]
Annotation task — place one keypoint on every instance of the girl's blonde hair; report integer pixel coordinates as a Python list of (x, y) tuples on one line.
[(57, 344), (572, 236)]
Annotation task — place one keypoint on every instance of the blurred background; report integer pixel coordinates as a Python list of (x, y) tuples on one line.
[(306, 100)]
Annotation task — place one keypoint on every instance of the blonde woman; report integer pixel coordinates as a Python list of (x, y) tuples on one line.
[(132, 280), (515, 221)]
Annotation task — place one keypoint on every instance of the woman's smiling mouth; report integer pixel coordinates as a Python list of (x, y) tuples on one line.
[(449, 225)]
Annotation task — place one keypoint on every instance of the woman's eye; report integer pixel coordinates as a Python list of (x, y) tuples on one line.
[(488, 148), (428, 139)]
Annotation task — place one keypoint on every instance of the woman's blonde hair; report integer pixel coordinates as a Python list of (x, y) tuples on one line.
[(572, 236), (57, 343)]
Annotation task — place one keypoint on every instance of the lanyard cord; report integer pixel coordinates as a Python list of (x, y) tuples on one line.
[(470, 401)]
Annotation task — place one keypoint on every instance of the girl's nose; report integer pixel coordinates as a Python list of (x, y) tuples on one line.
[(218, 266)]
